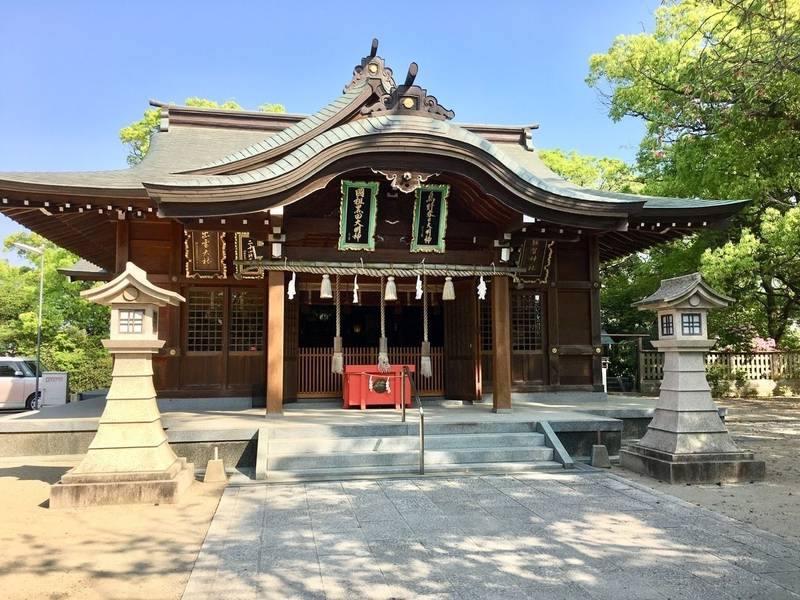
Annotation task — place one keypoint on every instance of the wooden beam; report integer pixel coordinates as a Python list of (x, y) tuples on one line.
[(501, 345), (275, 345)]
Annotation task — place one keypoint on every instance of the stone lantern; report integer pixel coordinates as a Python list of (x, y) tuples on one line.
[(129, 459), (687, 441)]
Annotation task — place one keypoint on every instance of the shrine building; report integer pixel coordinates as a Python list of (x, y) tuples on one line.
[(379, 225)]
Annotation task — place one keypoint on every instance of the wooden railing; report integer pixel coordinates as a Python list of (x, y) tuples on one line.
[(315, 378), (756, 365)]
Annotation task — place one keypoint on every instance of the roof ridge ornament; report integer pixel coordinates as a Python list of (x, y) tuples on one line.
[(409, 99), (374, 71)]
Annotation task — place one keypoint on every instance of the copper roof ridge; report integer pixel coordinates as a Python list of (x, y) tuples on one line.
[(224, 111)]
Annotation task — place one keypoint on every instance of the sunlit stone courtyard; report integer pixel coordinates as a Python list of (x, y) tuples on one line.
[(533, 535)]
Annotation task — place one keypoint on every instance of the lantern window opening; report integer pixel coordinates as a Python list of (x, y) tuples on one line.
[(131, 320), (667, 325), (691, 324)]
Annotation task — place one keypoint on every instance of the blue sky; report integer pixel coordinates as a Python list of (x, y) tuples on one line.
[(73, 73)]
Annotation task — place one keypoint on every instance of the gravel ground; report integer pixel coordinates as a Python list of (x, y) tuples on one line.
[(108, 552), (770, 427)]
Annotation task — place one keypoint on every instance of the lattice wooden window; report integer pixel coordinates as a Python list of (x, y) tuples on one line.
[(526, 321), (485, 307), (204, 328), (247, 321)]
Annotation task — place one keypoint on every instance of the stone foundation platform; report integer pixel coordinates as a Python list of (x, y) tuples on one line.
[(713, 467), (90, 489)]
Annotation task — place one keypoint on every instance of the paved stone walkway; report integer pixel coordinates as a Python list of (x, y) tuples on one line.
[(534, 535)]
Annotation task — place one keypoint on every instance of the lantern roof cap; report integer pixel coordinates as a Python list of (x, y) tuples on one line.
[(676, 291), (121, 290)]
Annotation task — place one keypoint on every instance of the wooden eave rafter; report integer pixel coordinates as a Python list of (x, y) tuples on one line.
[(618, 244), (73, 204), (88, 235)]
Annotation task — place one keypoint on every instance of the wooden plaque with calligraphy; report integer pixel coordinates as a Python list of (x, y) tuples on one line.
[(205, 254), (430, 218), (357, 214), (249, 248), (535, 257)]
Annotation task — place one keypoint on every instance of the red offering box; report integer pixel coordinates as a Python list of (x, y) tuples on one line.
[(363, 385)]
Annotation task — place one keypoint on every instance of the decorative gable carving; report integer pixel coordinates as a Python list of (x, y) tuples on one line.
[(409, 99), (374, 70), (405, 181)]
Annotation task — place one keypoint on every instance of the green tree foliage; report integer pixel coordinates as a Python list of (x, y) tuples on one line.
[(766, 265), (718, 85), (71, 327), (624, 280), (137, 135), (609, 174)]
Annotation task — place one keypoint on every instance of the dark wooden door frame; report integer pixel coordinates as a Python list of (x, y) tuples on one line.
[(462, 363)]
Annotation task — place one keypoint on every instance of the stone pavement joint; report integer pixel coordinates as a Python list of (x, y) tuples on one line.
[(543, 535)]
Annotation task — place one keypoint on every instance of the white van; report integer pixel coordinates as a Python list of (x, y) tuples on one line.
[(17, 382)]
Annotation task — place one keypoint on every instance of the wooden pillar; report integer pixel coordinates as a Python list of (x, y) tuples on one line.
[(122, 245), (596, 324), (554, 373), (501, 342), (275, 345)]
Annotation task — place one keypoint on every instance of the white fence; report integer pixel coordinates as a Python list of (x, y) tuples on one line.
[(762, 370)]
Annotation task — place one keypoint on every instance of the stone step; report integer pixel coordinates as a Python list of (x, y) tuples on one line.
[(407, 443), (455, 456), (411, 427), (338, 474)]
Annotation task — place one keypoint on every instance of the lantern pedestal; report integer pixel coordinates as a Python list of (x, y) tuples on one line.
[(129, 459), (122, 487), (686, 441), (704, 467)]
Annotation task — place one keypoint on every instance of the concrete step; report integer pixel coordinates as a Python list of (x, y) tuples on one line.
[(411, 427), (457, 456), (391, 449), (453, 456), (406, 443), (287, 476), (482, 440)]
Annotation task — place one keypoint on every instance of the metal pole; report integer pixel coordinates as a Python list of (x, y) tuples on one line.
[(403, 392), (36, 400), (421, 442)]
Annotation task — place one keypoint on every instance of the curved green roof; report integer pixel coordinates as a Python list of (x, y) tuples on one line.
[(532, 173), (353, 96)]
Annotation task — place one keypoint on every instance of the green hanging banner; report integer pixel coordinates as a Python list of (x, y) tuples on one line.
[(357, 215), (430, 218)]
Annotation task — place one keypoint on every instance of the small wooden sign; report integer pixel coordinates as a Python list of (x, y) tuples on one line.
[(430, 218), (357, 215), (249, 248), (205, 254), (535, 257)]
